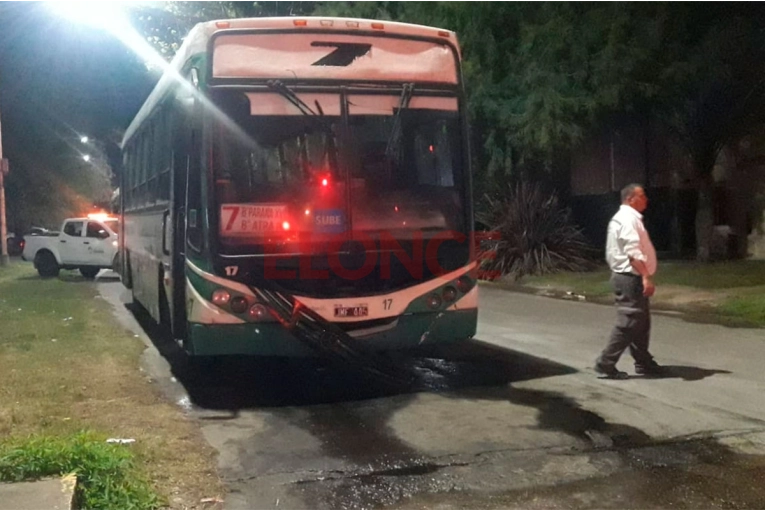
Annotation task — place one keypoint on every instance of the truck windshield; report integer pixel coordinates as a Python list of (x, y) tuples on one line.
[(280, 178)]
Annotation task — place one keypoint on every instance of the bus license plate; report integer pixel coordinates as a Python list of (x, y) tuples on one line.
[(351, 311)]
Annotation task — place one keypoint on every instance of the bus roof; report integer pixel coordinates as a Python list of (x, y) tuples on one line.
[(198, 38), (203, 31)]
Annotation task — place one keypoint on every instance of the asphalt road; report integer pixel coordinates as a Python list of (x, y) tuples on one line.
[(515, 419)]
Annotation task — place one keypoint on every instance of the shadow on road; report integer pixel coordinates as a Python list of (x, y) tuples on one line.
[(686, 373), (392, 470), (242, 382), (562, 413)]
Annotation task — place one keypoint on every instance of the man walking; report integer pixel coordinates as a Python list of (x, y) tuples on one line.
[(632, 259)]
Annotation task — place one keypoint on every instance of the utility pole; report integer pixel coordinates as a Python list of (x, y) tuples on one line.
[(3, 228)]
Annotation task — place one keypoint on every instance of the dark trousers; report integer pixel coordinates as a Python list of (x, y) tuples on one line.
[(633, 323)]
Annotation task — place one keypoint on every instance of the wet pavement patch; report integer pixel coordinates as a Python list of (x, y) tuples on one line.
[(371, 443), (353, 456), (700, 474)]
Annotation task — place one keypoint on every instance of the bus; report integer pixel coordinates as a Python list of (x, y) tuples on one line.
[(321, 159)]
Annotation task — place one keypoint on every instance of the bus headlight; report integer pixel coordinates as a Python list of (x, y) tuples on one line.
[(434, 301), (449, 294), (258, 312), (464, 283), (221, 297), (239, 305)]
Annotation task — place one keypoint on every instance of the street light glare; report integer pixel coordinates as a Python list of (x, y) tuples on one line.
[(84, 139), (106, 15), (86, 157), (111, 17)]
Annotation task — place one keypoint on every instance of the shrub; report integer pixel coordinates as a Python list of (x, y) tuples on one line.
[(533, 234)]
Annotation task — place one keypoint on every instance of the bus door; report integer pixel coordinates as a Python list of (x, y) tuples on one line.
[(185, 163), (174, 242)]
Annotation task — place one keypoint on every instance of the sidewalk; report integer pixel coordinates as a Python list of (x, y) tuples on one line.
[(50, 494)]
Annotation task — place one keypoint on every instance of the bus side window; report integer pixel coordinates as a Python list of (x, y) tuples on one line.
[(194, 199), (194, 226)]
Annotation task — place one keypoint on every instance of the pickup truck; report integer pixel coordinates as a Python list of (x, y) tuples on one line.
[(88, 244)]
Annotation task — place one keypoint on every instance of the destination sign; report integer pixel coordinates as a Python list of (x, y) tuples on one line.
[(246, 219)]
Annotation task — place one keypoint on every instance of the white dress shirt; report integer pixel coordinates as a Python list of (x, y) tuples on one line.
[(628, 239)]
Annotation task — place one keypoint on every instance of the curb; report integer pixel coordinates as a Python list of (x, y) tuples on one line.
[(48, 494)]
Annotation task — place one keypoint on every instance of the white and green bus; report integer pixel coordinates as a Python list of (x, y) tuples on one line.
[(321, 158)]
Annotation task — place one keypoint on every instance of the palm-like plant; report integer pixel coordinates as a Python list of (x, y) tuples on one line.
[(532, 234)]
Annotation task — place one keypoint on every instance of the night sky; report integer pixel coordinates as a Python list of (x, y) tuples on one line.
[(59, 79)]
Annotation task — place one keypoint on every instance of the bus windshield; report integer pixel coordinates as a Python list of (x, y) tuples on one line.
[(297, 177)]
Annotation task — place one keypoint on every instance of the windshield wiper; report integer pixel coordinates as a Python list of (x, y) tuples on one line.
[(403, 104), (330, 149), (293, 98)]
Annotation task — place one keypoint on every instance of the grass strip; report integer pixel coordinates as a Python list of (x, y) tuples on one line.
[(107, 474), (729, 293), (67, 366)]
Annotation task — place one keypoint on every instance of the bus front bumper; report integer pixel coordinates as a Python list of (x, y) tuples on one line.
[(271, 339)]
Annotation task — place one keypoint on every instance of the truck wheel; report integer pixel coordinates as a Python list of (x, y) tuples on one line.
[(46, 265), (89, 272)]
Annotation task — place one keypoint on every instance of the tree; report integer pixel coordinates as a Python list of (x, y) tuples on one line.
[(712, 92), (538, 75), (166, 24)]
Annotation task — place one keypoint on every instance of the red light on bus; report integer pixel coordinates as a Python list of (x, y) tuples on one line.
[(430, 148), (443, 33), (378, 26), (286, 225), (307, 212), (222, 24), (325, 182), (300, 23)]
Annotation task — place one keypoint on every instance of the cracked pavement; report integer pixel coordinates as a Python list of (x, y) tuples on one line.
[(515, 419)]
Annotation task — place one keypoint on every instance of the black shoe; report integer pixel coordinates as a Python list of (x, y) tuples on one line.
[(651, 368), (612, 373)]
